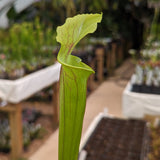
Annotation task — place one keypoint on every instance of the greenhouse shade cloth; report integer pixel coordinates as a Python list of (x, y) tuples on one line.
[(15, 91), (137, 105)]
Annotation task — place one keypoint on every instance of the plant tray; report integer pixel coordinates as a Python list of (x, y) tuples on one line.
[(14, 91), (137, 105), (118, 139)]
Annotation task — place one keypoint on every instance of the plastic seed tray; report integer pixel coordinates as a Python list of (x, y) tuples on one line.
[(118, 139)]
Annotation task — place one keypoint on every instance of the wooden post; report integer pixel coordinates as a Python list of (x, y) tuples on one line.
[(113, 55), (91, 83), (55, 100), (120, 53), (100, 62), (108, 61), (92, 65), (15, 120)]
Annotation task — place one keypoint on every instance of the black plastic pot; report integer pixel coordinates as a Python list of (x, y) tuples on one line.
[(155, 90), (146, 89), (136, 88)]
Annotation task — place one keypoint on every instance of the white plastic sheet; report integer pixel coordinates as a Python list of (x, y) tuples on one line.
[(5, 3), (4, 22), (136, 105), (15, 91), (20, 5)]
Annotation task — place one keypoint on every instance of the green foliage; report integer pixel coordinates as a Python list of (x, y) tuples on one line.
[(73, 82), (27, 44), (127, 20), (95, 5), (155, 27), (153, 1)]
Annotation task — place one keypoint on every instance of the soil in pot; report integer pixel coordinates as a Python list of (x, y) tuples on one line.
[(117, 139)]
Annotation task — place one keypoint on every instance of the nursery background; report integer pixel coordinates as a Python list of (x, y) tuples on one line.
[(124, 52)]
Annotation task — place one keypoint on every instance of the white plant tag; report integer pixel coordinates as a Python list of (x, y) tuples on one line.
[(139, 75), (149, 76), (156, 77), (155, 82)]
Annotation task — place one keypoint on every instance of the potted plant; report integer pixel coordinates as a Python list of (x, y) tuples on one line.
[(73, 82), (147, 73)]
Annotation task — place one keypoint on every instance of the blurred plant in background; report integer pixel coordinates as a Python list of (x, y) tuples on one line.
[(128, 23), (148, 62), (26, 46), (31, 130), (125, 20)]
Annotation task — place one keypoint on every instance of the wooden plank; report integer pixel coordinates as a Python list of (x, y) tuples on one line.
[(108, 61), (15, 119), (7, 109), (55, 101)]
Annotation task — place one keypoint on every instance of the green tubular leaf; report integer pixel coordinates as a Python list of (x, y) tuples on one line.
[(73, 83)]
